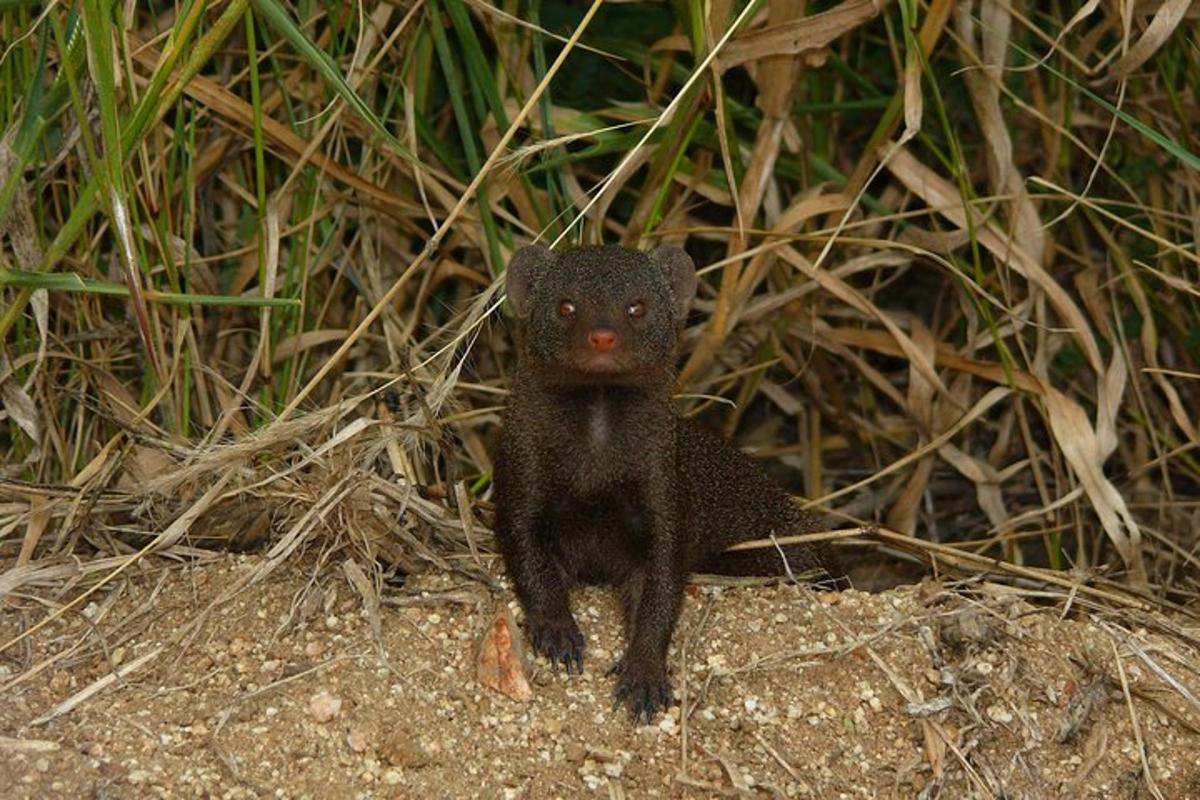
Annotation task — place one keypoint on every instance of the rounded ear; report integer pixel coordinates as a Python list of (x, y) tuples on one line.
[(681, 275), (523, 270)]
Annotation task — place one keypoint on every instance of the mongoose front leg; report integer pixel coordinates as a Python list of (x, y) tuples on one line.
[(541, 585), (642, 681)]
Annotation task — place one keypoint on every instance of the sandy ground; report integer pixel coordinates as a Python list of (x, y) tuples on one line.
[(286, 690)]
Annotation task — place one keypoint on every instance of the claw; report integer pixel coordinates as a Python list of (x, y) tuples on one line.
[(646, 694), (560, 642)]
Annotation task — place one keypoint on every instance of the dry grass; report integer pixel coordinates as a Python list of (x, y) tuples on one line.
[(250, 292)]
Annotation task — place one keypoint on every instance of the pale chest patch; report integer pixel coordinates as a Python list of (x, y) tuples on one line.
[(598, 424)]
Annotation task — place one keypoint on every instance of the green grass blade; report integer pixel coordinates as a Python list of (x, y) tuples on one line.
[(153, 104), (110, 168), (483, 82), (32, 123), (279, 19), (556, 185), (466, 129), (73, 282), (1185, 156)]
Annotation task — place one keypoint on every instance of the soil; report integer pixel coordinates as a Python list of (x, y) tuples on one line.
[(294, 688)]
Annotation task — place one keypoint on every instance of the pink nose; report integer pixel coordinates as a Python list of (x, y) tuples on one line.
[(602, 341)]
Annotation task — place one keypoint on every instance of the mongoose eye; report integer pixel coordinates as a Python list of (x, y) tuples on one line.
[(636, 310), (566, 309)]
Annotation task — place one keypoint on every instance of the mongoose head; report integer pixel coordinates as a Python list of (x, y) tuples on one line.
[(600, 314)]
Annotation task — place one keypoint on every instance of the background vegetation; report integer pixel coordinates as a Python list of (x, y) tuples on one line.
[(250, 259)]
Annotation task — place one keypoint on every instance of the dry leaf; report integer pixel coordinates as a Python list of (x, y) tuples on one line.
[(801, 36), (935, 747), (902, 516), (1085, 453), (294, 345), (501, 661), (1165, 21), (854, 298), (19, 405), (943, 198)]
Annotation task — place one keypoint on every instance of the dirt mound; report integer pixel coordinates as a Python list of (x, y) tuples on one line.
[(288, 691)]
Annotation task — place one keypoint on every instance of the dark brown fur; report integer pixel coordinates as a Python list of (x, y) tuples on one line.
[(599, 481)]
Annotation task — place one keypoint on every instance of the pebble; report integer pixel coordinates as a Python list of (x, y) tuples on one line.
[(998, 713), (357, 740), (402, 750), (138, 776), (324, 706)]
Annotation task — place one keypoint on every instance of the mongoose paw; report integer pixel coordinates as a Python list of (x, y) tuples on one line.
[(560, 642), (645, 690)]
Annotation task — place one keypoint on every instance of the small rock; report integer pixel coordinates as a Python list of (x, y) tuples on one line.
[(860, 719), (998, 713), (969, 627), (402, 750), (324, 706), (60, 681), (357, 740), (138, 777)]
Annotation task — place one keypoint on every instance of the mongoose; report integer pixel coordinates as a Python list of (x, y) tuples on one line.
[(598, 480)]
